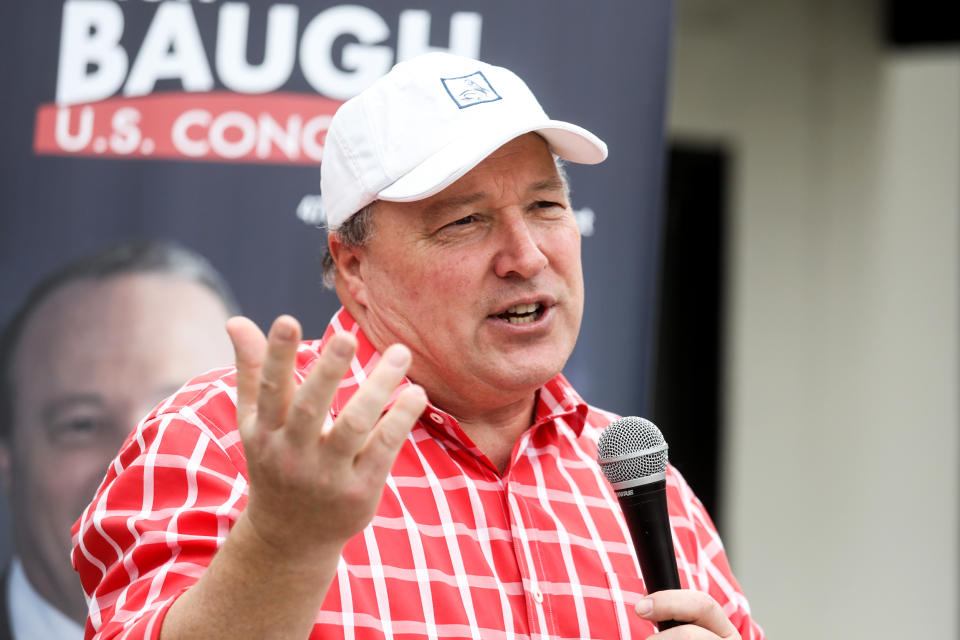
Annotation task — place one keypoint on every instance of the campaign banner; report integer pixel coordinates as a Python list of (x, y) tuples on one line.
[(204, 122)]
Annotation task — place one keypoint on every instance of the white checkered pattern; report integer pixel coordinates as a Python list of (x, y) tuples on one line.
[(456, 550)]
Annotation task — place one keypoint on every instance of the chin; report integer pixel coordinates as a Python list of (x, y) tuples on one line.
[(529, 378)]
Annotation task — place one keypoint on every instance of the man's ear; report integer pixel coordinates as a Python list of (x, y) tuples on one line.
[(349, 261)]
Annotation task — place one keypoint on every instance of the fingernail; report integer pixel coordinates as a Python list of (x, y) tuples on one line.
[(421, 392), (398, 356), (341, 347), (644, 607), (284, 332)]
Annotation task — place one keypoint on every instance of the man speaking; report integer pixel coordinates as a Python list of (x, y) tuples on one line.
[(424, 470)]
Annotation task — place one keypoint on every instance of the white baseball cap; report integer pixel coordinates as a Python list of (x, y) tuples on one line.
[(425, 124)]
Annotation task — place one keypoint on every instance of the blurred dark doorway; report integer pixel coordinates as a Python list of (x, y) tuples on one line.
[(687, 399)]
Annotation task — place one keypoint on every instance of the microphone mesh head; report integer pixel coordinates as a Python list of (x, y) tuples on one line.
[(631, 448)]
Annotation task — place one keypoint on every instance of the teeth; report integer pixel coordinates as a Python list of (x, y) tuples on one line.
[(524, 308), (521, 313)]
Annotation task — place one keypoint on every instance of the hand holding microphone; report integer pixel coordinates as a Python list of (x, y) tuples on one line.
[(633, 456)]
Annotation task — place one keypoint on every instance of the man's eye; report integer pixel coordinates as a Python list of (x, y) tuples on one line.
[(547, 204), (465, 220), (83, 425), (78, 429), (460, 222)]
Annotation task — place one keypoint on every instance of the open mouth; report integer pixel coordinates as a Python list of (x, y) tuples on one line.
[(523, 313)]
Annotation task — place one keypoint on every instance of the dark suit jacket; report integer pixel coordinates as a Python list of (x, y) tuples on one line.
[(5, 632)]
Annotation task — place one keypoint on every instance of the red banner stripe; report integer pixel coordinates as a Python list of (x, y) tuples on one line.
[(275, 128)]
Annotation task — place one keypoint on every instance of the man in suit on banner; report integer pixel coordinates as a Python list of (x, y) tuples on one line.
[(92, 349)]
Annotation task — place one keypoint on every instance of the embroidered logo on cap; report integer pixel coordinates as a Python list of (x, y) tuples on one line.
[(470, 90)]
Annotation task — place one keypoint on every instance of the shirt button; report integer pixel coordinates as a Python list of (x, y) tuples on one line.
[(436, 418), (538, 596)]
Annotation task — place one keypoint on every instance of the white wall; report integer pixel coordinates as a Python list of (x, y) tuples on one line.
[(841, 488)]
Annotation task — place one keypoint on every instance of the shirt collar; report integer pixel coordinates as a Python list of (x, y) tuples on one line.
[(556, 399), (31, 616)]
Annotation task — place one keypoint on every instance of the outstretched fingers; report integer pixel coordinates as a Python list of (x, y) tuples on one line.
[(312, 400), (277, 383), (249, 345), (362, 412), (377, 456)]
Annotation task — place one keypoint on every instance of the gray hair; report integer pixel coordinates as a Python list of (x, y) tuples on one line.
[(357, 230)]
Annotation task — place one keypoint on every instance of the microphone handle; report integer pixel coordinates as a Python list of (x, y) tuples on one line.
[(645, 510)]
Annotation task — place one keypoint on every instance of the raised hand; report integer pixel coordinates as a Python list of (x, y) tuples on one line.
[(310, 479), (313, 483)]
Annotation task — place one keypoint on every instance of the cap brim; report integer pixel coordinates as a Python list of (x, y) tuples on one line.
[(453, 161)]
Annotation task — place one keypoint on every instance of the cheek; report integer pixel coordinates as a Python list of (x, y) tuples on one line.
[(567, 246), (571, 260), (456, 276), (440, 283), (62, 480)]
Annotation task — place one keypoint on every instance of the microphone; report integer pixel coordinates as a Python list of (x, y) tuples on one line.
[(633, 456)]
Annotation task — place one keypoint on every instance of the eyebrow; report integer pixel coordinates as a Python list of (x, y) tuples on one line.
[(456, 202), (550, 184), (60, 404), (440, 207)]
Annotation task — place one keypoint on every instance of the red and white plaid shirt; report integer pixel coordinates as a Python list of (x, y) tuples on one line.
[(456, 549)]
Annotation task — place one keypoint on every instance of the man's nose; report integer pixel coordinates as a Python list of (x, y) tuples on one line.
[(520, 254)]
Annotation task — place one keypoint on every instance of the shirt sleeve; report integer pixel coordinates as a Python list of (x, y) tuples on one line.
[(165, 507), (701, 559)]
